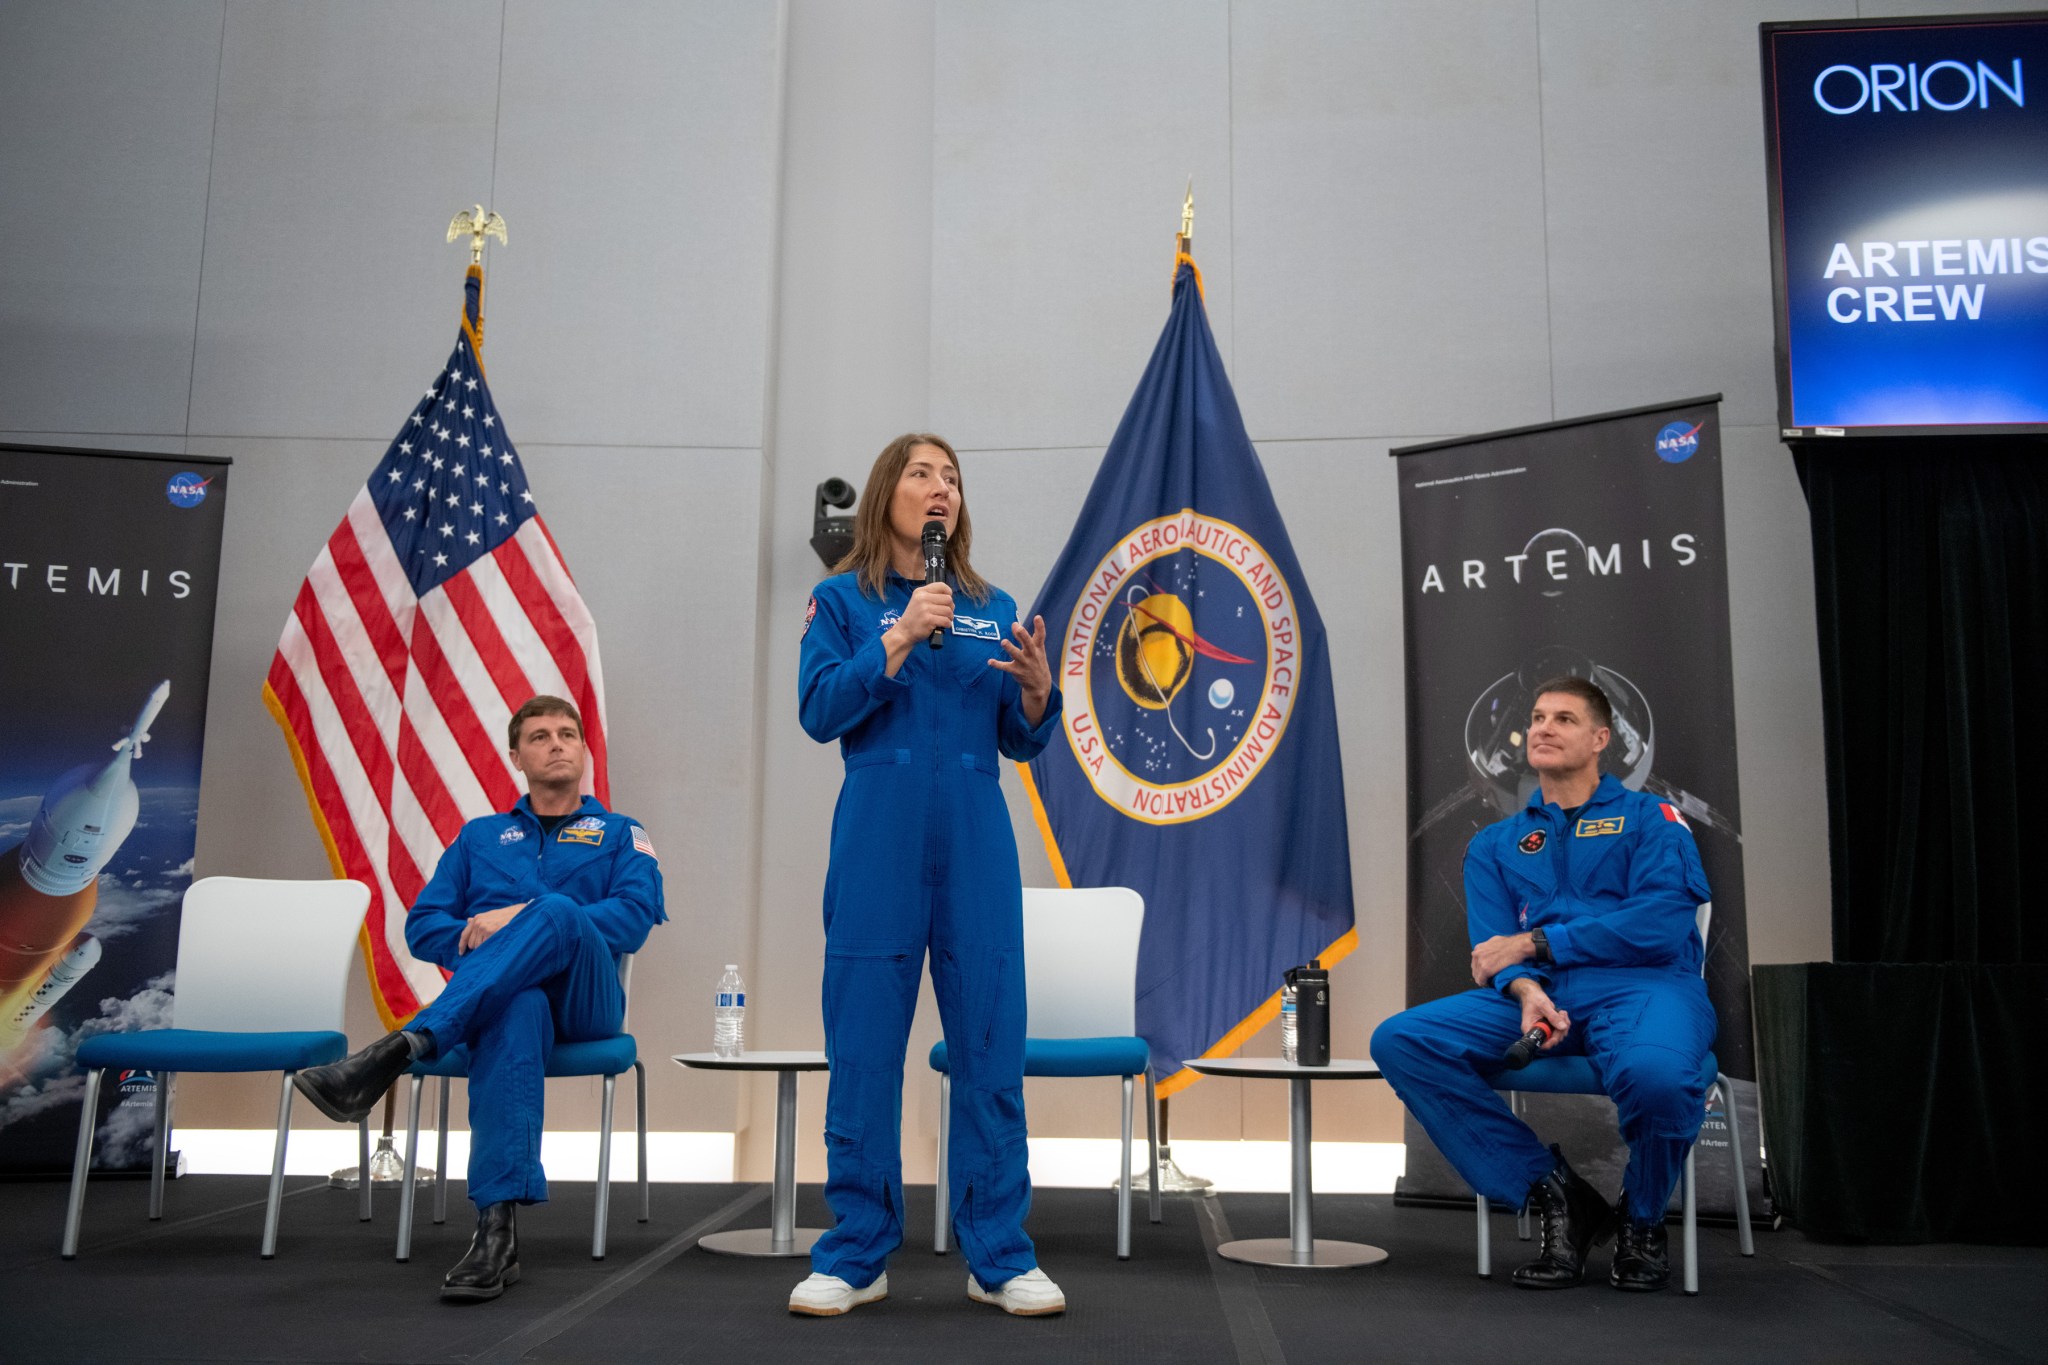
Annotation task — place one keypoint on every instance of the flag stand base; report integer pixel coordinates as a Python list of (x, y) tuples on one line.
[(385, 1169)]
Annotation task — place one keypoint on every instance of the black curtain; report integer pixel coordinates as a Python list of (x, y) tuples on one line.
[(1931, 578)]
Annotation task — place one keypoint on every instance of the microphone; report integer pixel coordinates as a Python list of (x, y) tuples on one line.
[(935, 568), (1526, 1047)]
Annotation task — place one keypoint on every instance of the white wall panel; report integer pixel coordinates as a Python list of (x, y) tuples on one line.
[(347, 136), (108, 108), (1660, 259), (1064, 136), (1387, 184), (636, 170)]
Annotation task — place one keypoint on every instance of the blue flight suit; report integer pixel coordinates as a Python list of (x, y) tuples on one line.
[(1616, 895), (592, 891), (922, 858)]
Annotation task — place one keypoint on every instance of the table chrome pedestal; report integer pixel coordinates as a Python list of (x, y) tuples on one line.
[(782, 1237), (1301, 1247)]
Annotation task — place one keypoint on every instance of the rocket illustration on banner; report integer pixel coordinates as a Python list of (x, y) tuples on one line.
[(49, 883)]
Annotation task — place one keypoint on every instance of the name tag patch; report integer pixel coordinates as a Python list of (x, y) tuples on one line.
[(588, 830), (976, 627), (1589, 829)]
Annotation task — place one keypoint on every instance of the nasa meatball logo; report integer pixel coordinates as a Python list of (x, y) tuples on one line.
[(1532, 842), (186, 490), (1677, 442), (1179, 667)]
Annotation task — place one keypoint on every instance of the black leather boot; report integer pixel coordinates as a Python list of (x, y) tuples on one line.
[(492, 1261), (1575, 1220), (347, 1090), (1642, 1253)]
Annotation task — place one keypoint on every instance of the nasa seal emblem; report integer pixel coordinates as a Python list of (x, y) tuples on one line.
[(1179, 665)]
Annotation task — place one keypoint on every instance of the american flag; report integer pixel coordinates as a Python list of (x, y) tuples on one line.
[(439, 604)]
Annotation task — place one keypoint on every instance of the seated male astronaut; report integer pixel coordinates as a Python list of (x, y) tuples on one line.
[(530, 911), (1581, 910)]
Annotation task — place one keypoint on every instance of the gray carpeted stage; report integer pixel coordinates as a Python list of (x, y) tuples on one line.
[(192, 1288)]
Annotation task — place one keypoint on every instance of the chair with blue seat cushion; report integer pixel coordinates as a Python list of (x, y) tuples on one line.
[(1080, 991), (1576, 1076), (609, 1058), (262, 985)]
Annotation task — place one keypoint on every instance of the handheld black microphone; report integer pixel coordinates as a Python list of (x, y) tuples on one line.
[(935, 568), (1526, 1047)]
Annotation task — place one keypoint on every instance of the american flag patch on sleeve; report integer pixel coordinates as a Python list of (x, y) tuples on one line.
[(642, 842)]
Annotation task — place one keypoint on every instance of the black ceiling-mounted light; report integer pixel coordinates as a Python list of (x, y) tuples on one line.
[(832, 537)]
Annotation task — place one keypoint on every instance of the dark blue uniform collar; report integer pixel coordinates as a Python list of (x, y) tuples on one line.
[(524, 806), (1610, 789)]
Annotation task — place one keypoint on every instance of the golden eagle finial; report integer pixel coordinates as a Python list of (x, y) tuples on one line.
[(478, 225)]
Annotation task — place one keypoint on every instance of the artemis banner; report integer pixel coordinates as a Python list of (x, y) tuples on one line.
[(1592, 547), (108, 569)]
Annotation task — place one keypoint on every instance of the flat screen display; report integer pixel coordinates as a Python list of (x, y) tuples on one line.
[(1909, 219)]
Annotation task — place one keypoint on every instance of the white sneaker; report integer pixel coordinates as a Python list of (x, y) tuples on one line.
[(1030, 1295), (827, 1296)]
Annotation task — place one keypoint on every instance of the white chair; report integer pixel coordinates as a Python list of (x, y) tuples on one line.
[(262, 985), (606, 1057), (1081, 1007), (1575, 1076)]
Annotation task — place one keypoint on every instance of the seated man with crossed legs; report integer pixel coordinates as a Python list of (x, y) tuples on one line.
[(530, 911), (1581, 910)]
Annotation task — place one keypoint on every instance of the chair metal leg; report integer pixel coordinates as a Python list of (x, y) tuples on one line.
[(1741, 1175), (942, 1222), (604, 1171), (1485, 1237), (640, 1116), (1123, 1184), (363, 1181), (81, 1162), (408, 1186), (1152, 1139), (284, 1132), (441, 1154), (161, 1148), (1692, 1232)]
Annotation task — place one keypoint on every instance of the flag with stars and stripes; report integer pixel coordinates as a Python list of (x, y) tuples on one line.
[(437, 606)]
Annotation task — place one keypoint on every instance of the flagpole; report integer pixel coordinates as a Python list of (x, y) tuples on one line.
[(385, 1167), (1172, 1179)]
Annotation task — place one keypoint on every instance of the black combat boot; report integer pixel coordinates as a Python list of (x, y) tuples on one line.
[(1575, 1220), (347, 1090), (1642, 1253), (492, 1261)]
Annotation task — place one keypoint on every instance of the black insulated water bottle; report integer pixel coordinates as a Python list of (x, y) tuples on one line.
[(1311, 1014)]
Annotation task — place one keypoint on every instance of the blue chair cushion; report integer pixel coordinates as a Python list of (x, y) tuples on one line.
[(1572, 1076), (604, 1057), (1073, 1056), (187, 1049)]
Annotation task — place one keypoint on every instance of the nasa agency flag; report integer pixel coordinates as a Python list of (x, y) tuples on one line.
[(1198, 762), (1594, 547)]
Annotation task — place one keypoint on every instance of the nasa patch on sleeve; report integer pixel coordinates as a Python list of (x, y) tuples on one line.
[(810, 615)]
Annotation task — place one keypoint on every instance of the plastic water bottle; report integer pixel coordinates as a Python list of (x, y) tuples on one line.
[(1287, 1003), (729, 1015)]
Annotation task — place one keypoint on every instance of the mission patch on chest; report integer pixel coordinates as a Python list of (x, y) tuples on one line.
[(588, 830), (1611, 825), (1532, 842)]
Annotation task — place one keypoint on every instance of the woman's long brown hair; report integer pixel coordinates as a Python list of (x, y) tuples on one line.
[(869, 558)]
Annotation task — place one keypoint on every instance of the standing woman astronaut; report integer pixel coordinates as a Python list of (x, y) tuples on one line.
[(923, 859)]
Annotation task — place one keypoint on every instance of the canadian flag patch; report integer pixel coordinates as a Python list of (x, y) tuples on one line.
[(1671, 813)]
